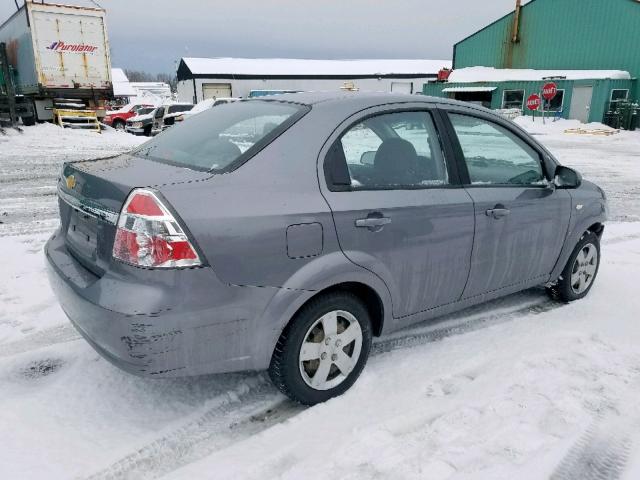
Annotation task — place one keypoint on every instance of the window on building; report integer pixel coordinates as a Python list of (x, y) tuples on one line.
[(513, 99), (619, 95), (556, 104)]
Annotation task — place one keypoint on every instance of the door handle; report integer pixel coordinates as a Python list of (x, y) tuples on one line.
[(498, 212), (372, 222)]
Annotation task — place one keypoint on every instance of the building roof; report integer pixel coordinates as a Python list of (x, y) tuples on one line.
[(468, 89), (490, 74), (304, 68), (121, 85)]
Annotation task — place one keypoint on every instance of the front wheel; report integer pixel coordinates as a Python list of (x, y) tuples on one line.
[(580, 271), (323, 350)]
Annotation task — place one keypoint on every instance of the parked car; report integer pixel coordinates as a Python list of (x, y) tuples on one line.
[(142, 123), (285, 233), (205, 105), (165, 116), (118, 118), (268, 93)]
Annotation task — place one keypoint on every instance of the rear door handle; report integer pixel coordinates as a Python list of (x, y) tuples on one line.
[(498, 212), (372, 222)]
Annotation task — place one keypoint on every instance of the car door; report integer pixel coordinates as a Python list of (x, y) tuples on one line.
[(521, 219), (397, 205)]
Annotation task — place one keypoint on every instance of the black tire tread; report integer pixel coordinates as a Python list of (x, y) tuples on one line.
[(562, 290), (281, 371)]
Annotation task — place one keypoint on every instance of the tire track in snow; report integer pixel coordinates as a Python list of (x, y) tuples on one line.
[(601, 453), (44, 338), (262, 406), (467, 325), (233, 418)]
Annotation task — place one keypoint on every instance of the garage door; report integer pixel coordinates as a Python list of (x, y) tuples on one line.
[(401, 87), (216, 90)]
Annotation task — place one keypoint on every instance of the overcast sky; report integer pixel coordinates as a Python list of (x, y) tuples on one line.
[(152, 34)]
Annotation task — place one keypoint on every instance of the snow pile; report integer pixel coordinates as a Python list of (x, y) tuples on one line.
[(30, 163), (490, 74), (552, 126)]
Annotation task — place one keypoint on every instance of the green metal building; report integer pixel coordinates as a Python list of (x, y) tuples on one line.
[(559, 35)]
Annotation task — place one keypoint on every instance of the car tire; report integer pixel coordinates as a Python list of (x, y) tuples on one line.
[(118, 125), (147, 131), (346, 347), (580, 272)]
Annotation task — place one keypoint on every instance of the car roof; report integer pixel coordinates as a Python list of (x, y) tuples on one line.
[(359, 98)]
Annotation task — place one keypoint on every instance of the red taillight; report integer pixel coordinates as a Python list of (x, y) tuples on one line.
[(143, 203), (148, 235)]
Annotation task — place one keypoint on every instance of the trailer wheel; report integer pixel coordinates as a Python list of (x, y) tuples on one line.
[(28, 121)]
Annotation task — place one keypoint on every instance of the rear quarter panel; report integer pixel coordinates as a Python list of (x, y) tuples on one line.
[(240, 221)]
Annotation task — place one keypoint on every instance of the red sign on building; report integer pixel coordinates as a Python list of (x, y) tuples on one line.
[(549, 90), (534, 102)]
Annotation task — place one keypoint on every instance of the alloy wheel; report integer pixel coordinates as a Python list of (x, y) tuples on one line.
[(330, 350), (584, 268)]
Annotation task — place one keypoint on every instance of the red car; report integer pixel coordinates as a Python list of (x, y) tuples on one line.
[(118, 118)]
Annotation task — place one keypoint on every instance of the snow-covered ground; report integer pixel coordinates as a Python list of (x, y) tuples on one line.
[(519, 388)]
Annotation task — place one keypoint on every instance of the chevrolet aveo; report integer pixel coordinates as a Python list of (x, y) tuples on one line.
[(285, 233)]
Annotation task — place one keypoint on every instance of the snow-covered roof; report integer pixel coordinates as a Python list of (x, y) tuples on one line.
[(305, 67), (121, 85), (490, 74), (468, 89), (118, 75)]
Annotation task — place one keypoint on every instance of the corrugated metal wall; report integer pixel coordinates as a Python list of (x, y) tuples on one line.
[(562, 34), (599, 101)]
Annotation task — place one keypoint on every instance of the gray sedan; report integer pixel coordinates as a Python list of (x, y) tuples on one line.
[(284, 233)]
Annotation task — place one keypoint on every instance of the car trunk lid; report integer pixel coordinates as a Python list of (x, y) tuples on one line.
[(91, 194)]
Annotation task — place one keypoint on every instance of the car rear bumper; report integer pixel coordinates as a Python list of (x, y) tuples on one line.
[(160, 323)]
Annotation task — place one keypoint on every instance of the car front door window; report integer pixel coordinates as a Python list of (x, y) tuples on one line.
[(494, 155)]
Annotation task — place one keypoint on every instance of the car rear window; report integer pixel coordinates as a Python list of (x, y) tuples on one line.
[(179, 108), (220, 138)]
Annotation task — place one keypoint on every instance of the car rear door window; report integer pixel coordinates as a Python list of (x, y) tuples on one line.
[(494, 155), (393, 151)]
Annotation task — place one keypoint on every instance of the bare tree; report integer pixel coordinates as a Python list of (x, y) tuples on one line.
[(141, 76)]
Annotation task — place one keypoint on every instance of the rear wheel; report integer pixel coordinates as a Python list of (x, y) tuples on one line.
[(323, 350), (118, 125), (581, 270)]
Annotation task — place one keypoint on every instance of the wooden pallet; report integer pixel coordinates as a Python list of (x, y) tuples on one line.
[(595, 131)]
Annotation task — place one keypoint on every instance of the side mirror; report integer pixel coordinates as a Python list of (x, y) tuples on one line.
[(566, 177)]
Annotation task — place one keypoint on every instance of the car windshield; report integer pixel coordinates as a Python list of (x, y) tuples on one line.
[(216, 138), (145, 110)]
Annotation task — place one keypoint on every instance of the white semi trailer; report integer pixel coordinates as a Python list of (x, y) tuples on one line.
[(59, 57)]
